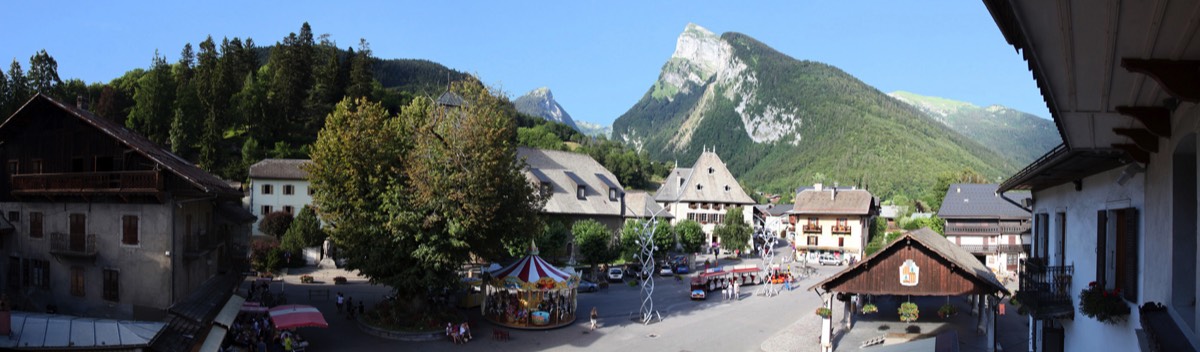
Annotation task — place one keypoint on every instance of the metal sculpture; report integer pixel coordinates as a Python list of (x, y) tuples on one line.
[(646, 256)]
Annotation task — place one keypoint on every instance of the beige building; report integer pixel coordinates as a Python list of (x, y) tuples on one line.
[(702, 193), (832, 220)]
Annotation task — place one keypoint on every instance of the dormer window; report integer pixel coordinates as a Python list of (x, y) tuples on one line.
[(711, 170), (612, 194), (681, 182), (699, 187), (581, 192), (727, 188)]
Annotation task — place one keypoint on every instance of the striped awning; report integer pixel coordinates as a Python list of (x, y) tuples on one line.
[(532, 269)]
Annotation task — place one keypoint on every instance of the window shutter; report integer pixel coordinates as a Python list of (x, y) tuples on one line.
[(1128, 263), (1101, 243)]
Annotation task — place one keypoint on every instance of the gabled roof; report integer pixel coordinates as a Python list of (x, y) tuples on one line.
[(959, 259), (834, 202), (775, 209), (189, 172), (280, 169), (980, 201), (565, 171), (639, 204), (451, 99), (707, 181)]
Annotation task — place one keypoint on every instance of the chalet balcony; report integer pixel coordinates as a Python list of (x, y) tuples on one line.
[(88, 183), (843, 229), (1046, 290), (812, 228), (985, 229), (77, 246), (995, 248)]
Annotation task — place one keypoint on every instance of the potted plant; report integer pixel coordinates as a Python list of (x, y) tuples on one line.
[(909, 312), (824, 312), (947, 310), (306, 279), (1106, 306), (870, 308), (340, 280)]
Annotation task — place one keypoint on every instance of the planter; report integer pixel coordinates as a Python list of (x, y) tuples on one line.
[(824, 313), (340, 280), (909, 312), (870, 308), (306, 279), (947, 310), (1106, 306)]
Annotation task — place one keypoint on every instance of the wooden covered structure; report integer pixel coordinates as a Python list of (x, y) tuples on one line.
[(919, 263)]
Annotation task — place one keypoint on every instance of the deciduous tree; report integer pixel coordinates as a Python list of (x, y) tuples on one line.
[(734, 233), (594, 242), (691, 235)]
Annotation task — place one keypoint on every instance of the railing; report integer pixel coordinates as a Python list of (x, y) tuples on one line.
[(987, 229), (995, 248), (88, 181), (812, 228), (1046, 290), (840, 229), (75, 246)]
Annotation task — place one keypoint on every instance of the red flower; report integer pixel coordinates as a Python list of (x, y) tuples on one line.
[(1092, 284)]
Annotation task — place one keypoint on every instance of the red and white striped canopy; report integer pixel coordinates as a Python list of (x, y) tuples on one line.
[(297, 316), (531, 269)]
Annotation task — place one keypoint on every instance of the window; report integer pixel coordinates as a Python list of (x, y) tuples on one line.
[(1041, 236), (842, 222), (35, 224), (14, 216), (812, 221), (812, 240), (288, 209), (36, 167), (266, 209), (14, 167), (1060, 219), (581, 192), (711, 170), (267, 189), (311, 191), (129, 230), (37, 273), (841, 241), (612, 194), (289, 190), (77, 281), (112, 285), (1117, 251), (727, 188)]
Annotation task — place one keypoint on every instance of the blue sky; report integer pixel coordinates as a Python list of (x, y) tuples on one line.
[(597, 57)]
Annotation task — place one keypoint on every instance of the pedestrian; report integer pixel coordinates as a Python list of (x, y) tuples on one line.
[(340, 301), (350, 307), (595, 315)]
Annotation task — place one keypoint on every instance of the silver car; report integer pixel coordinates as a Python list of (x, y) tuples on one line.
[(829, 259), (588, 286)]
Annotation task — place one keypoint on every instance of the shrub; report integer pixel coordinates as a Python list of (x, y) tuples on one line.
[(306, 279), (947, 310), (909, 312), (340, 280), (276, 223), (1106, 306)]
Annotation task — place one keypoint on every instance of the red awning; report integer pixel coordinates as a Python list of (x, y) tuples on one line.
[(253, 307), (297, 316)]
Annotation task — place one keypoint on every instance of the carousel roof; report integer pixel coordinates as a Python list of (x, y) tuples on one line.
[(531, 269)]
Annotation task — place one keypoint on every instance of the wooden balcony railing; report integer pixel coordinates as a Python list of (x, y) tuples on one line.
[(89, 182), (83, 246), (1046, 290), (840, 229), (812, 228), (995, 248)]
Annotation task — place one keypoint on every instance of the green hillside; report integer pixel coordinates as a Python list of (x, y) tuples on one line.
[(1023, 136), (835, 128)]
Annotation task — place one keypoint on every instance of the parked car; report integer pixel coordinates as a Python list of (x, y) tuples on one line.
[(681, 269), (588, 286), (829, 259), (665, 270), (635, 270), (615, 274)]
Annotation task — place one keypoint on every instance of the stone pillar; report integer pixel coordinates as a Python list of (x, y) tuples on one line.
[(991, 326), (847, 314), (827, 328), (982, 321), (972, 299)]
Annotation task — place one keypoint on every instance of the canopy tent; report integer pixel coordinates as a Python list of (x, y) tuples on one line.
[(253, 307), (530, 294), (297, 316)]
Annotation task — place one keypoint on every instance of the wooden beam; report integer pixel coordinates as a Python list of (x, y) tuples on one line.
[(1143, 138), (1180, 78), (1156, 119), (1134, 152)]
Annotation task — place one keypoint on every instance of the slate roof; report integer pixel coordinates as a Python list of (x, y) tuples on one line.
[(565, 171), (925, 237), (775, 209), (844, 202), (639, 204), (189, 172), (716, 183), (280, 169), (980, 201), (189, 319)]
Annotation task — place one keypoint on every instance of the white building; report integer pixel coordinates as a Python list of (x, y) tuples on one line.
[(702, 193), (1117, 203), (832, 220), (277, 185)]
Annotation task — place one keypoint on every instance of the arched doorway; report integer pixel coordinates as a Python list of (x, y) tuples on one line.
[(1183, 237)]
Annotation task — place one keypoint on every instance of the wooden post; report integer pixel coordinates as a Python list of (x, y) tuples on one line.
[(827, 328), (982, 318), (991, 325), (847, 315)]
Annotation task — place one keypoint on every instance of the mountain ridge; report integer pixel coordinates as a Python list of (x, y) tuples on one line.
[(1002, 129), (540, 102)]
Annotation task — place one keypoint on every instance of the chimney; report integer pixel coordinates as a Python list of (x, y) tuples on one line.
[(79, 102), (833, 191)]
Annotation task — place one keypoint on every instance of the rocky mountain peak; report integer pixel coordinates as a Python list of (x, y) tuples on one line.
[(540, 102)]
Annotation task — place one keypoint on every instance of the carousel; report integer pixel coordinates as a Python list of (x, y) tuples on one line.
[(530, 294)]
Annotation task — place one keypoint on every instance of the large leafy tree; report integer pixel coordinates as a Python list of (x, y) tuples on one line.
[(631, 232), (594, 242), (413, 197), (734, 233), (304, 231), (664, 237), (691, 236)]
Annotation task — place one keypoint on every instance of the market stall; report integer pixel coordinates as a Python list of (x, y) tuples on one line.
[(530, 294)]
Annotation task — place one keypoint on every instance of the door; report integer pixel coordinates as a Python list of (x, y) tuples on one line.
[(78, 230), (1052, 339)]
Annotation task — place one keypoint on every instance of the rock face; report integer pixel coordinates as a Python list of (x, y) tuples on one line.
[(781, 122), (540, 102), (1007, 131)]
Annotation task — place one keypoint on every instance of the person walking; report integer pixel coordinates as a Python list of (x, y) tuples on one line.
[(341, 300), (595, 316)]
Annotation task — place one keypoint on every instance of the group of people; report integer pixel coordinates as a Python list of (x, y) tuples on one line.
[(732, 290), (260, 291), (254, 332), (458, 334), (346, 304), (505, 306)]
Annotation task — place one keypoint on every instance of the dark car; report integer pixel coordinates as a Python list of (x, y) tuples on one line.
[(681, 269)]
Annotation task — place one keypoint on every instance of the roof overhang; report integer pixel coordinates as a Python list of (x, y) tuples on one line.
[(1061, 166)]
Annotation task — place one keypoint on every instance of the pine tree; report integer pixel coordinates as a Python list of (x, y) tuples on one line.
[(43, 73), (361, 79), (18, 86), (5, 101), (153, 102)]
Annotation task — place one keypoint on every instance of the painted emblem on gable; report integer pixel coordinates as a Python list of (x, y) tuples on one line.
[(910, 274)]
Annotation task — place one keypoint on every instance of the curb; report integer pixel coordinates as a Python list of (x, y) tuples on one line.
[(400, 335)]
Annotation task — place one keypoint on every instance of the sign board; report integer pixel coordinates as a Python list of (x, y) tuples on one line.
[(910, 274)]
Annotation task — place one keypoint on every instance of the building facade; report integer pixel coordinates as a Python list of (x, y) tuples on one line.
[(106, 223), (832, 220), (702, 193), (277, 185), (577, 188), (991, 228), (1116, 204)]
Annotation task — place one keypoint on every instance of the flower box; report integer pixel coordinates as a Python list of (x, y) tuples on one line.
[(306, 279), (824, 312), (870, 308), (909, 312), (1107, 306)]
